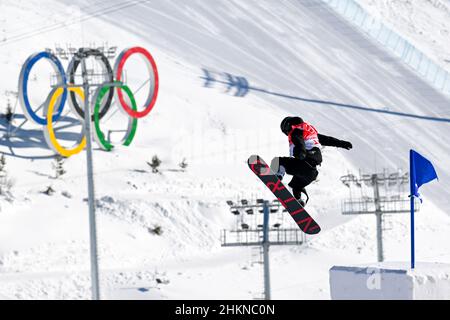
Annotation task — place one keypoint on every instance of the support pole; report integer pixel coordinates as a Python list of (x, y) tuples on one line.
[(380, 237), (413, 258), (90, 180), (265, 245), (412, 181), (379, 216)]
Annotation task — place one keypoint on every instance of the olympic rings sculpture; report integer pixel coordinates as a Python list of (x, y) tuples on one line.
[(103, 98)]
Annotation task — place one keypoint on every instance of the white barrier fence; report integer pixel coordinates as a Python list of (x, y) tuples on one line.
[(430, 71)]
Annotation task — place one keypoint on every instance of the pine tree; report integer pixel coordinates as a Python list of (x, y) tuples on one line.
[(5, 182), (156, 162), (156, 229), (3, 175), (2, 164), (49, 191), (9, 112), (183, 164), (58, 166)]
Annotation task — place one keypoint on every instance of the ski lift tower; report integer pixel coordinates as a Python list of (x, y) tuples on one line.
[(250, 232), (90, 78), (389, 196)]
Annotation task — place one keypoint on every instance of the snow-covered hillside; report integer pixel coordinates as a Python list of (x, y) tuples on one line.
[(425, 23), (298, 58)]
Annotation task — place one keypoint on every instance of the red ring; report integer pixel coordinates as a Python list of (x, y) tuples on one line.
[(123, 58)]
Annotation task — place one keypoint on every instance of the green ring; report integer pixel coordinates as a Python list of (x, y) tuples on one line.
[(104, 143)]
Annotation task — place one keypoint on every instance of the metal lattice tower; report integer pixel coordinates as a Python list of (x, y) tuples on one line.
[(250, 232), (380, 194)]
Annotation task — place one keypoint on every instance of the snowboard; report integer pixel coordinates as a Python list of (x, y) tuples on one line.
[(305, 222)]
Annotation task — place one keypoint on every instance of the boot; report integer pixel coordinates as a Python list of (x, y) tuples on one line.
[(298, 195), (277, 169)]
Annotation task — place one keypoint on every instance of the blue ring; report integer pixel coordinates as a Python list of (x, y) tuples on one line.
[(27, 68)]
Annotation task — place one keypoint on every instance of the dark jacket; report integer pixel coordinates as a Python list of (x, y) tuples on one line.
[(314, 156)]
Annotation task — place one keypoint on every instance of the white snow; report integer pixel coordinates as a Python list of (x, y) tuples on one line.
[(299, 58), (391, 281), (425, 23)]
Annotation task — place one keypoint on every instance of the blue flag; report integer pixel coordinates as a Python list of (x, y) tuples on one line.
[(421, 172)]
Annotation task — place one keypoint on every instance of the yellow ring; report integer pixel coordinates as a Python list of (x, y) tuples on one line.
[(54, 144)]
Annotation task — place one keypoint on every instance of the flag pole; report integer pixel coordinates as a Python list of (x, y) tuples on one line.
[(412, 181)]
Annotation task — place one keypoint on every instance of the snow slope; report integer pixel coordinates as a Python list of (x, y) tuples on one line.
[(299, 58), (425, 23)]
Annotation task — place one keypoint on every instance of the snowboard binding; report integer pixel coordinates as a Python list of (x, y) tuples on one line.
[(298, 195)]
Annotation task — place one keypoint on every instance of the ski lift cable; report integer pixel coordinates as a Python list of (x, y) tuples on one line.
[(63, 24), (34, 26), (134, 93)]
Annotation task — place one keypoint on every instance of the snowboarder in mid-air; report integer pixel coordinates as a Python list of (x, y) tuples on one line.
[(305, 154)]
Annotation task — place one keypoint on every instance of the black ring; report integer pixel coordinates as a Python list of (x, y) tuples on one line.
[(84, 53)]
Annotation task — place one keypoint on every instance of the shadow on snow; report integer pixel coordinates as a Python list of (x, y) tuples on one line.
[(240, 87)]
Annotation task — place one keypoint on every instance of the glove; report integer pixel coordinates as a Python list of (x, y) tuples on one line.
[(346, 145), (299, 153)]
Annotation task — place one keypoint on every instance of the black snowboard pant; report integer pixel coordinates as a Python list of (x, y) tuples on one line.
[(303, 173)]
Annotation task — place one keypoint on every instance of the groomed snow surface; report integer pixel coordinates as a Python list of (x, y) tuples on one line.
[(299, 58), (425, 23), (391, 281)]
